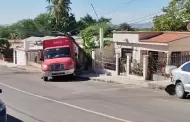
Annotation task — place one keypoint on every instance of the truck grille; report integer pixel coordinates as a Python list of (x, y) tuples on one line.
[(57, 67)]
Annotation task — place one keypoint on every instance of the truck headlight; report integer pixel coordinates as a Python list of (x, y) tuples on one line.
[(45, 67)]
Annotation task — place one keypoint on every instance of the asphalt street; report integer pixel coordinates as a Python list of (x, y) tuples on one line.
[(30, 99)]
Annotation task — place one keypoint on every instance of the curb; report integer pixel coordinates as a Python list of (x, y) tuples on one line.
[(156, 86), (148, 85)]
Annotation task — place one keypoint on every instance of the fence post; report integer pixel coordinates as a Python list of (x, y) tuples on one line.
[(14, 56), (168, 58), (128, 64), (145, 67), (93, 59), (117, 63)]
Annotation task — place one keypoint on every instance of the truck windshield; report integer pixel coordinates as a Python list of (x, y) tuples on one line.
[(57, 53)]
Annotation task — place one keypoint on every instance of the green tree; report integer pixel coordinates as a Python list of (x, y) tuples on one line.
[(4, 32), (4, 46), (43, 22), (90, 36), (86, 21), (124, 27), (59, 9), (175, 17), (105, 20)]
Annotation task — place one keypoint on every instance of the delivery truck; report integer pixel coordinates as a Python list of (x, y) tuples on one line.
[(58, 58)]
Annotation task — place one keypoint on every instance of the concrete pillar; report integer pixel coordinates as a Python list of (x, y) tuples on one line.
[(101, 38), (145, 67), (93, 59), (26, 45), (128, 64), (117, 63), (168, 58), (14, 56)]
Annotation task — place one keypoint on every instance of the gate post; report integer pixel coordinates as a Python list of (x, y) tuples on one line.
[(93, 59), (168, 58), (128, 64), (145, 67), (117, 63)]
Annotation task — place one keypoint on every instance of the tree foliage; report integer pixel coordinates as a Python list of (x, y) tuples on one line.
[(175, 18), (59, 9), (90, 36), (124, 27), (4, 45)]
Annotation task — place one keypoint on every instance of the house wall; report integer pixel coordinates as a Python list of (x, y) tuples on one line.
[(138, 48), (21, 57), (180, 45), (121, 37)]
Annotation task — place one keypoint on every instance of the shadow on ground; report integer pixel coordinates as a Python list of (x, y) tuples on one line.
[(13, 119), (170, 89), (69, 79)]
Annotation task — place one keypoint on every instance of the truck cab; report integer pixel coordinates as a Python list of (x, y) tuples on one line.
[(58, 58)]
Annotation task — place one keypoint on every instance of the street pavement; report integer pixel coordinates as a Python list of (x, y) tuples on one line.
[(30, 99)]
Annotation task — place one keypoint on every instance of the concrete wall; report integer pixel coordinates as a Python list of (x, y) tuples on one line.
[(137, 48), (109, 51), (180, 45), (21, 57), (121, 37), (131, 40)]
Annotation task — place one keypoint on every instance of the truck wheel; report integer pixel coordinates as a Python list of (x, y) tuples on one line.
[(71, 76), (180, 91), (45, 79)]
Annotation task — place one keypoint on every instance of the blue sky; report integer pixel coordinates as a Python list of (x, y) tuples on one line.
[(14, 10)]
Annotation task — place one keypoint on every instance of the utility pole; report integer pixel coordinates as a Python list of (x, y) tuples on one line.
[(101, 38)]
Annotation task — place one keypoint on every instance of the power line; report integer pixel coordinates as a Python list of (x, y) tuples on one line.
[(144, 17), (95, 12), (115, 9)]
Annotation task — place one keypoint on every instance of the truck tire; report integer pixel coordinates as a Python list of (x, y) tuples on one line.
[(180, 91), (45, 79), (71, 76)]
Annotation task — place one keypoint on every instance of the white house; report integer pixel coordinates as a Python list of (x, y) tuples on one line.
[(166, 48), (138, 43), (29, 48)]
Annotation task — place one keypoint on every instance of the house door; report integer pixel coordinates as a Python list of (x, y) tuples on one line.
[(152, 63)]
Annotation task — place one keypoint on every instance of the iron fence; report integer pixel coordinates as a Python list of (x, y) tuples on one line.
[(157, 63), (136, 67), (34, 56), (122, 66), (105, 60)]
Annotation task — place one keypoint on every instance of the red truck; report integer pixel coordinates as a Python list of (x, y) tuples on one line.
[(58, 57)]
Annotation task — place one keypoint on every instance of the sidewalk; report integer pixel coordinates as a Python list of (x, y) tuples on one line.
[(102, 78), (125, 80), (14, 66)]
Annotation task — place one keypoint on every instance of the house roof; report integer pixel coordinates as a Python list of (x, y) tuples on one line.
[(166, 37)]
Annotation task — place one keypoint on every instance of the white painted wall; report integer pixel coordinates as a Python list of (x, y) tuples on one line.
[(133, 43), (21, 57), (137, 53), (121, 37)]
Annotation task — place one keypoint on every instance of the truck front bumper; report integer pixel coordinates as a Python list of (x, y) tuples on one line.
[(58, 73)]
